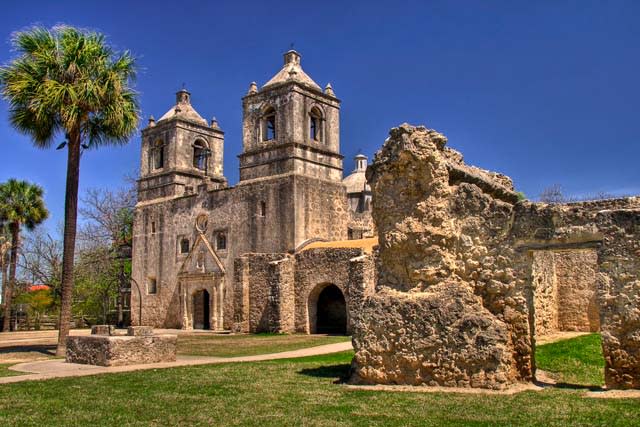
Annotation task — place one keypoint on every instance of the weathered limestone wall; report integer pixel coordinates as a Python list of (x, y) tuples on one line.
[(564, 289), (450, 308), (315, 269), (612, 229), (545, 292), (576, 274), (279, 292), (256, 307)]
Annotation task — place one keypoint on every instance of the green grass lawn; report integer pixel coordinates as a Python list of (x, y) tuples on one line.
[(292, 392), (249, 345), (576, 361), (5, 372)]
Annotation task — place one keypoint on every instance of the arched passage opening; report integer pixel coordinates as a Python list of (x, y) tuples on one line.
[(201, 313), (331, 311)]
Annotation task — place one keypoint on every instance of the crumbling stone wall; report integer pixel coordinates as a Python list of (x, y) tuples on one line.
[(564, 290), (545, 292), (612, 229), (576, 273), (466, 273), (450, 308)]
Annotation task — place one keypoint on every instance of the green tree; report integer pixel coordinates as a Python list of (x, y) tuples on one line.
[(70, 81), (21, 205), (39, 302)]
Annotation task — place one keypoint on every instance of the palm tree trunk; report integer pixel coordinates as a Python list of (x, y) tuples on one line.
[(15, 244), (5, 276), (69, 244)]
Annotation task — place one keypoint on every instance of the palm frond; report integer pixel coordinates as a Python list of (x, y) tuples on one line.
[(68, 80)]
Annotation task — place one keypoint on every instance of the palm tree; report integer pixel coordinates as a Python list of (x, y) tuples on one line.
[(21, 204), (5, 246), (69, 81)]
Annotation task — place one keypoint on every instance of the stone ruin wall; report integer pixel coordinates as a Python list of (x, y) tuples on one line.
[(274, 292), (611, 229), (450, 308), (466, 273), (564, 291), (545, 292), (576, 272)]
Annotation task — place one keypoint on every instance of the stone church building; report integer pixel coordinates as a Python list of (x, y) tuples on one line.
[(256, 256)]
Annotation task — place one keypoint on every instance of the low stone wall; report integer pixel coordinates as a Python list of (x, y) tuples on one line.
[(107, 350)]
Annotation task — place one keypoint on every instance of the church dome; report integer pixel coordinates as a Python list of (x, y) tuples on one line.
[(357, 181), (292, 71), (184, 110)]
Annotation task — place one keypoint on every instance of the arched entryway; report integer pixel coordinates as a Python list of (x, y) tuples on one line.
[(331, 311), (201, 314)]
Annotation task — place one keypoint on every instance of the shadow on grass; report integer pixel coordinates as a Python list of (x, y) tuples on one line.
[(47, 350), (567, 386), (339, 372)]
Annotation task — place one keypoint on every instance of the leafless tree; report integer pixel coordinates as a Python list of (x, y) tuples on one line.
[(41, 260), (553, 194), (107, 214)]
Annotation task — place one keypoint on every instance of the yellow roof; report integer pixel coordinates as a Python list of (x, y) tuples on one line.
[(366, 244)]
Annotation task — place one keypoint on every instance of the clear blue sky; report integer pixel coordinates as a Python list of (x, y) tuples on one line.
[(546, 91)]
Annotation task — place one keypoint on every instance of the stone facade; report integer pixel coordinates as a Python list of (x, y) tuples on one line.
[(190, 226), (466, 273)]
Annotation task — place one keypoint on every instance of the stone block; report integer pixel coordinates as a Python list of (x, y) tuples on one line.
[(139, 331), (105, 350), (103, 330)]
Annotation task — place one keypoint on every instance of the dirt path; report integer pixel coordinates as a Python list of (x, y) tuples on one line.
[(56, 368)]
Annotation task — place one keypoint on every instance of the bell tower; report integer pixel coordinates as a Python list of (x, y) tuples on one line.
[(180, 152), (291, 126)]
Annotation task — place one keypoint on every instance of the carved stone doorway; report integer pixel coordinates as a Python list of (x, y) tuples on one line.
[(201, 310)]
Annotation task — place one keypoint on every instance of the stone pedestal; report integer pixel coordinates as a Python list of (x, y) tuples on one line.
[(105, 350)]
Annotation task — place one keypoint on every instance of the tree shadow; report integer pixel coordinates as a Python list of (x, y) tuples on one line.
[(567, 386), (45, 349), (340, 372)]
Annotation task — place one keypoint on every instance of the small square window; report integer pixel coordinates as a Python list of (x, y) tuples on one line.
[(153, 226), (152, 286), (184, 246), (221, 241)]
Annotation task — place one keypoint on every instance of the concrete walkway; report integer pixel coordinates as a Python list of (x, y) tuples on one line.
[(58, 368)]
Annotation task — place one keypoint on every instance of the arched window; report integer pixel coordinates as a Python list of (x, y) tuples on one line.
[(269, 124), (315, 124), (221, 241), (200, 155), (157, 155), (184, 246)]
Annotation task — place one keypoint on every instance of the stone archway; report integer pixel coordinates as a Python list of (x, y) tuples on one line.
[(201, 310), (328, 310)]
